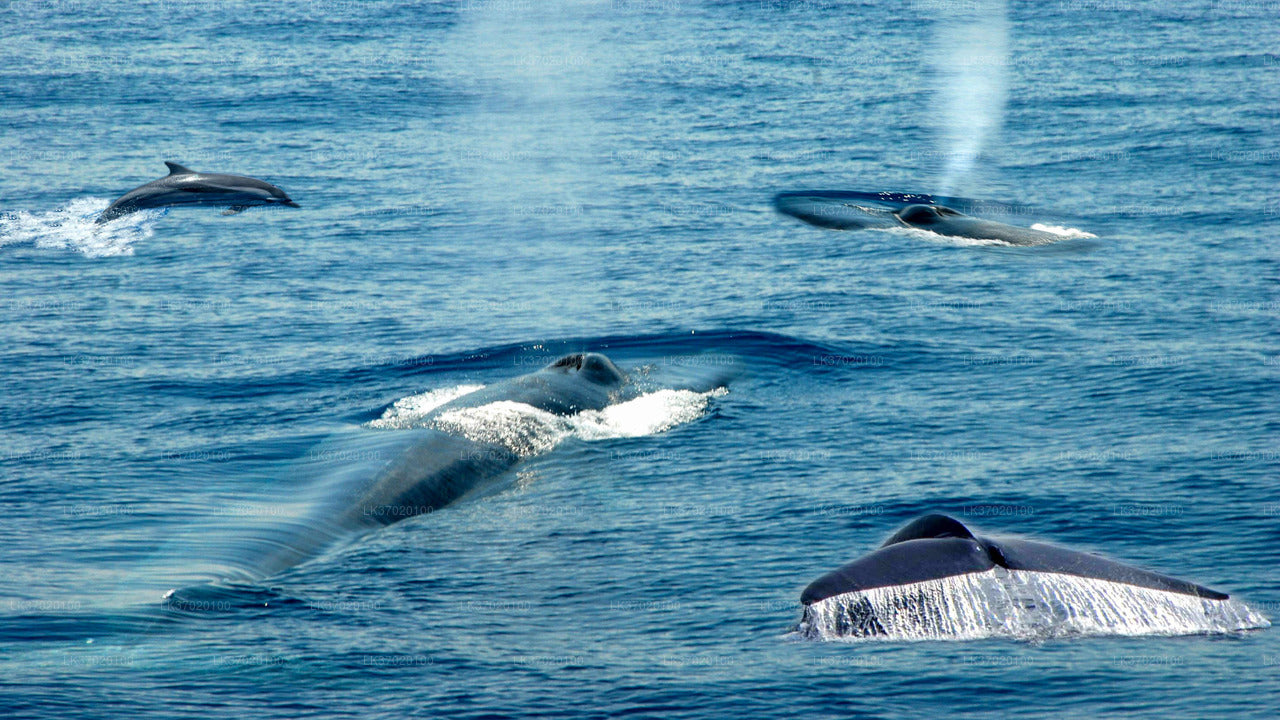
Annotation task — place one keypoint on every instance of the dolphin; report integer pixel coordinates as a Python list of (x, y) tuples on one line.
[(184, 186), (847, 210), (934, 578)]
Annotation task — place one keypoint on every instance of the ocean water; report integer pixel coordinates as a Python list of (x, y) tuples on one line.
[(488, 185)]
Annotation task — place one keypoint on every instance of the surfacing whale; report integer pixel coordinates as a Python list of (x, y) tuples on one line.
[(945, 221), (847, 210), (934, 579), (184, 186), (458, 448)]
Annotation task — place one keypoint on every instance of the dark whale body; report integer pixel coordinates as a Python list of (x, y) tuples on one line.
[(183, 186), (945, 221), (936, 546), (848, 210), (437, 467)]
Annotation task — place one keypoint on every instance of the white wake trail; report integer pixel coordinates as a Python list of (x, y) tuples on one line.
[(73, 228)]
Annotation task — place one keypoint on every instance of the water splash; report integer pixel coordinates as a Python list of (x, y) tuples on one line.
[(1066, 232), (526, 430), (1019, 604), (73, 228), (971, 61), (411, 411), (649, 414)]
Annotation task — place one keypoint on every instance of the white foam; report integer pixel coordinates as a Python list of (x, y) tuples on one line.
[(521, 428), (1019, 604), (1065, 232), (526, 430), (648, 414), (409, 412), (73, 228)]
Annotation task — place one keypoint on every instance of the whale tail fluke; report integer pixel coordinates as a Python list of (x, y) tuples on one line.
[(935, 579)]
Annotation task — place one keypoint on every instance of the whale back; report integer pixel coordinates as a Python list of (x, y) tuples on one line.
[(590, 367), (946, 221), (926, 215), (571, 384)]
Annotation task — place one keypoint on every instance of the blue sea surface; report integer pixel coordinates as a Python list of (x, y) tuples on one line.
[(488, 185)]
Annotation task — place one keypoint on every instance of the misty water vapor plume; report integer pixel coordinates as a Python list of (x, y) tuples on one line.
[(971, 54)]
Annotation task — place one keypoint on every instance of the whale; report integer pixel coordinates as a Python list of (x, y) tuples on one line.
[(848, 210), (943, 220), (426, 468), (423, 469), (935, 579), (184, 186)]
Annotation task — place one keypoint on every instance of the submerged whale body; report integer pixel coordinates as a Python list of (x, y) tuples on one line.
[(847, 210), (934, 579), (184, 186), (426, 468), (459, 449)]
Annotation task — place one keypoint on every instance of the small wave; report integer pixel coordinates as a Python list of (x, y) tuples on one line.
[(73, 228)]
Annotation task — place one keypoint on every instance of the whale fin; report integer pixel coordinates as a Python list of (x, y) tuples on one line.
[(902, 563), (573, 362), (1040, 557), (235, 209), (936, 546), (176, 169)]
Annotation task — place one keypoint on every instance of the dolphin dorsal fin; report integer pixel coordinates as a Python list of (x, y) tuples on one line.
[(929, 527), (176, 169)]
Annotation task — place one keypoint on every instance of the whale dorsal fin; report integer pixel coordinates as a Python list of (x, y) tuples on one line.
[(573, 361), (930, 527), (176, 169)]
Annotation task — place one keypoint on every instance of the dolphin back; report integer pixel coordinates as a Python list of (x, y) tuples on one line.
[(183, 186)]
